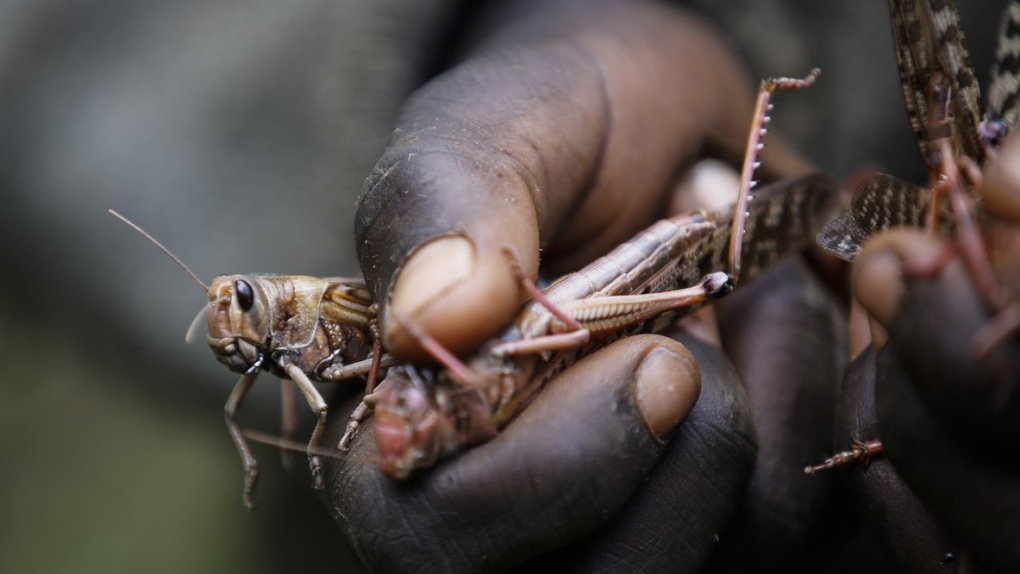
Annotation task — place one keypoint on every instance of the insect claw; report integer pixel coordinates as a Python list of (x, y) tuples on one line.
[(315, 465), (455, 368), (256, 366), (718, 285), (251, 480), (816, 469)]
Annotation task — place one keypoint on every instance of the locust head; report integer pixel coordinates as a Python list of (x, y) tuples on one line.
[(239, 321), (239, 315), (417, 424), (410, 431)]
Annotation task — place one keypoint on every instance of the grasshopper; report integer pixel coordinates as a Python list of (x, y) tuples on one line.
[(424, 414), (942, 102), (299, 328), (959, 143)]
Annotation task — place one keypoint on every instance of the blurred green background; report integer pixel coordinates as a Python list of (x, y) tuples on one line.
[(238, 133)]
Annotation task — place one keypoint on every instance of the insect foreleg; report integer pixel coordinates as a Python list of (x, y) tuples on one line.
[(859, 451), (251, 466), (337, 373), (377, 350), (318, 406), (371, 366), (359, 416)]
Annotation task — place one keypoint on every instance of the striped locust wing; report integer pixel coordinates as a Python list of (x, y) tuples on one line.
[(880, 202), (1005, 75), (931, 54)]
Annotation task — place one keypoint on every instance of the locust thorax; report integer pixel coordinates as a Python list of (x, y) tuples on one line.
[(239, 321)]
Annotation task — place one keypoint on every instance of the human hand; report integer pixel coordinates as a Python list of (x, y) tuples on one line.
[(570, 127), (947, 418), (549, 486), (941, 391)]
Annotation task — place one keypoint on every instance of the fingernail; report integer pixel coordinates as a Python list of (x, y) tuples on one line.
[(878, 285), (432, 270), (666, 388)]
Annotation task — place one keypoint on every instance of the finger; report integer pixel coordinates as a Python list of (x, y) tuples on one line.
[(673, 522), (571, 460), (784, 334), (878, 280), (976, 497), (932, 321), (864, 333), (897, 517), (531, 143), (946, 417), (1000, 193)]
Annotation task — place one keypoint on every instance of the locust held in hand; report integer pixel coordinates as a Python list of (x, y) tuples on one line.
[(960, 144), (299, 328), (942, 98), (424, 414)]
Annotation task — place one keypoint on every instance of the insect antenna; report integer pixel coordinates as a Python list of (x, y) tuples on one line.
[(293, 445), (161, 247)]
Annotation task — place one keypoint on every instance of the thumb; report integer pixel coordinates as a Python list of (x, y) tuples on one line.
[(569, 463)]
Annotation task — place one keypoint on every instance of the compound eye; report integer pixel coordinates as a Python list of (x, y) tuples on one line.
[(244, 294)]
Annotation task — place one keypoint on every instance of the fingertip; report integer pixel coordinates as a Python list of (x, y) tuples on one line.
[(1000, 193), (666, 387), (884, 264), (458, 292), (878, 284), (710, 184)]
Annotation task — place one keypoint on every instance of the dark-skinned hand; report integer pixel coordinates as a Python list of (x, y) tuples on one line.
[(946, 494), (565, 130)]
